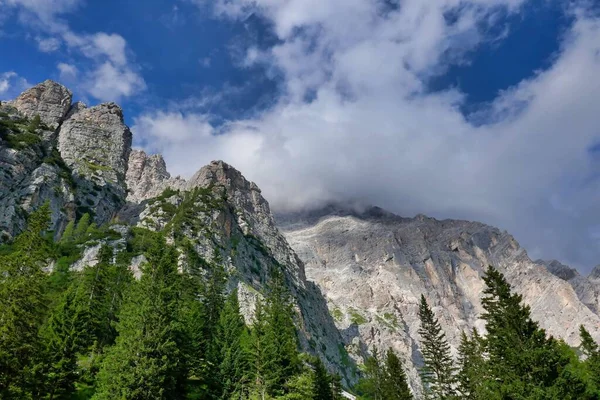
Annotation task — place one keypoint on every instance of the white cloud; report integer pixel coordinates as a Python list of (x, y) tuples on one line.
[(11, 84), (4, 81), (109, 82), (48, 45), (108, 73), (68, 72), (374, 133)]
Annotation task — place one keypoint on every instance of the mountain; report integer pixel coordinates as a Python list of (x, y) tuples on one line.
[(80, 160), (373, 266), (356, 275)]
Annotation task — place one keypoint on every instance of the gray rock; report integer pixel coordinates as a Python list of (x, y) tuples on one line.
[(50, 100), (75, 108), (587, 288), (147, 177), (373, 266), (226, 218), (95, 143), (28, 180)]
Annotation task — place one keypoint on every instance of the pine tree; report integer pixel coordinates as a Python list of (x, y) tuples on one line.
[(591, 351), (370, 387), (23, 307), (230, 340), (259, 350), (336, 387), (146, 361), (471, 366), (394, 383), (64, 336), (438, 372), (82, 227), (322, 381), (521, 361), (282, 353), (68, 233)]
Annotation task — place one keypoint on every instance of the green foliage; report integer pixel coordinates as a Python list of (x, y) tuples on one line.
[(394, 385), (146, 360), (521, 360), (22, 308), (370, 387), (384, 380), (438, 372), (356, 317), (471, 365), (34, 124)]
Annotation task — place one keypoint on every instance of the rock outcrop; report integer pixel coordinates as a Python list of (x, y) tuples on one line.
[(95, 143), (225, 218), (50, 100), (147, 177), (30, 175), (587, 288), (373, 266)]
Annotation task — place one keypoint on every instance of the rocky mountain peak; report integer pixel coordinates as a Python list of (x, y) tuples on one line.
[(595, 274), (147, 176), (222, 174), (559, 269), (50, 100), (96, 139)]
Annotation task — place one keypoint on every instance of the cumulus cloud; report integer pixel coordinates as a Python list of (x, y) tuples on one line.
[(109, 73), (11, 84), (68, 72), (372, 131), (48, 45)]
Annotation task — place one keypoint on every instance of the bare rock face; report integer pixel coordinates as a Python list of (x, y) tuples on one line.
[(29, 178), (147, 176), (373, 266), (95, 143), (254, 213), (224, 217), (587, 288), (50, 100)]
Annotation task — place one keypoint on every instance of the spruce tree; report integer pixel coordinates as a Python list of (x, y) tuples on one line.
[(370, 386), (23, 308), (259, 352), (521, 360), (336, 387), (322, 381), (471, 366), (282, 353), (230, 338), (394, 383), (438, 372), (68, 233), (64, 335), (146, 361), (591, 351), (82, 227)]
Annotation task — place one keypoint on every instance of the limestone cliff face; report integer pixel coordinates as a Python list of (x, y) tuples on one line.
[(225, 217), (95, 143), (31, 173), (373, 267), (147, 177), (587, 288), (50, 100), (76, 158)]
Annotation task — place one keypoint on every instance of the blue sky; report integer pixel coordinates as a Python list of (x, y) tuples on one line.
[(476, 109)]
